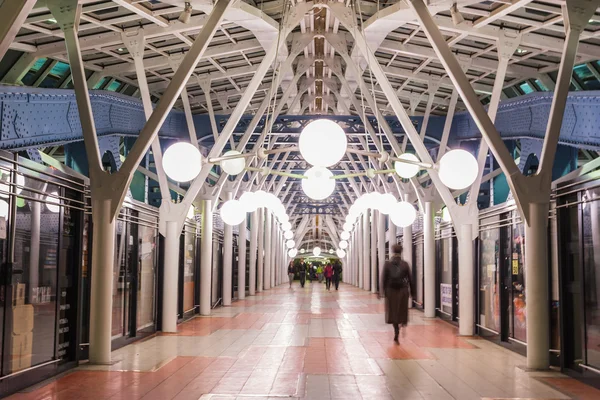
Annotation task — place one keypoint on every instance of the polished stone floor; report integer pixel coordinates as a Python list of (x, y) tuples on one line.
[(311, 344)]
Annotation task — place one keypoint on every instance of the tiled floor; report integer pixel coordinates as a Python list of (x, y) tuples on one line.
[(311, 344)]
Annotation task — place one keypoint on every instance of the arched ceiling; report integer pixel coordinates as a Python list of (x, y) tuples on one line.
[(313, 68)]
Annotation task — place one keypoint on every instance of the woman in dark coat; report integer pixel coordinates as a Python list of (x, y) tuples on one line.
[(396, 286)]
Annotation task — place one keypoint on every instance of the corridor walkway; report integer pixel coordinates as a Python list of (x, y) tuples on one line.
[(312, 344)]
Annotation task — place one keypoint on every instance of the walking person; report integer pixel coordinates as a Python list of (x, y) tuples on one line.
[(302, 273), (328, 276), (291, 272), (320, 273), (396, 286), (337, 273)]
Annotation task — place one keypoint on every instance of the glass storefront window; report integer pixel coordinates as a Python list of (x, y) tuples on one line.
[(489, 276), (34, 280), (419, 264), (119, 267), (146, 278), (591, 271), (189, 270), (446, 271), (519, 299)]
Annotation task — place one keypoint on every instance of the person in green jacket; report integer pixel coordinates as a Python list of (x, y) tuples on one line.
[(320, 273)]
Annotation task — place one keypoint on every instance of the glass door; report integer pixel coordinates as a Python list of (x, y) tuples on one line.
[(591, 272), (518, 304), (489, 277), (146, 281)]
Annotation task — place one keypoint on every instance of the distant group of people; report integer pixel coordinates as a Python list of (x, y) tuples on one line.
[(331, 273)]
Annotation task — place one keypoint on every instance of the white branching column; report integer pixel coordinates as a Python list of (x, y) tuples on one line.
[(429, 259), (241, 281), (253, 253), (408, 252), (227, 259), (366, 251), (260, 264), (374, 231), (206, 249), (268, 248)]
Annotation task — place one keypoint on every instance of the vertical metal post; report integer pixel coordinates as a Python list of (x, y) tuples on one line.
[(429, 259), (408, 251), (366, 253), (261, 249), (268, 248), (206, 249), (227, 259), (373, 270), (170, 280), (466, 280), (381, 245), (242, 260), (253, 252), (273, 251)]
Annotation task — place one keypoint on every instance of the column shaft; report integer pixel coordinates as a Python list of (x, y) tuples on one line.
[(242, 261), (206, 249), (429, 260), (252, 261)]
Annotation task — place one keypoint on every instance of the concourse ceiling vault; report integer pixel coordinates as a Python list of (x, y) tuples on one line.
[(319, 80)]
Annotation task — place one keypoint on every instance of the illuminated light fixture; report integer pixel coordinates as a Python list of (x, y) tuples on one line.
[(446, 215), (182, 162), (386, 203), (290, 244), (3, 209), (284, 218), (403, 214), (318, 185), (286, 226), (249, 201), (343, 244), (292, 252), (233, 166), (233, 212), (457, 17), (345, 235), (288, 234), (322, 143), (406, 170), (53, 202), (186, 14), (52, 20), (121, 49), (458, 169), (302, 251), (317, 251), (330, 251), (521, 51), (348, 226), (340, 253), (191, 212)]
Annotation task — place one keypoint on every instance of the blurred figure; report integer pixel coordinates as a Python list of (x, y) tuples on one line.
[(396, 286), (337, 274), (291, 272), (320, 273), (328, 276), (302, 273)]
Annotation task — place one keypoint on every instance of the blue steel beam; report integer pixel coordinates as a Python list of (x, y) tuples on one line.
[(34, 117)]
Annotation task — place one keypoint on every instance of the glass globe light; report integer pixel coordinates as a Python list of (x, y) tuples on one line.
[(249, 201), (330, 251), (322, 143), (302, 251), (235, 165), (318, 185), (290, 244), (446, 215), (374, 200), (288, 234), (345, 235), (292, 253), (340, 253), (403, 214), (286, 226), (3, 209), (260, 197), (284, 218), (317, 251), (387, 203), (52, 202), (458, 169), (233, 212), (405, 170), (343, 244), (182, 162), (348, 226)]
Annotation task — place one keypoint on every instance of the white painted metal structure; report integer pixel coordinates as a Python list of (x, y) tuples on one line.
[(285, 57)]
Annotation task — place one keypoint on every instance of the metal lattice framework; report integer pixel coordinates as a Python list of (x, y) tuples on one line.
[(320, 70)]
